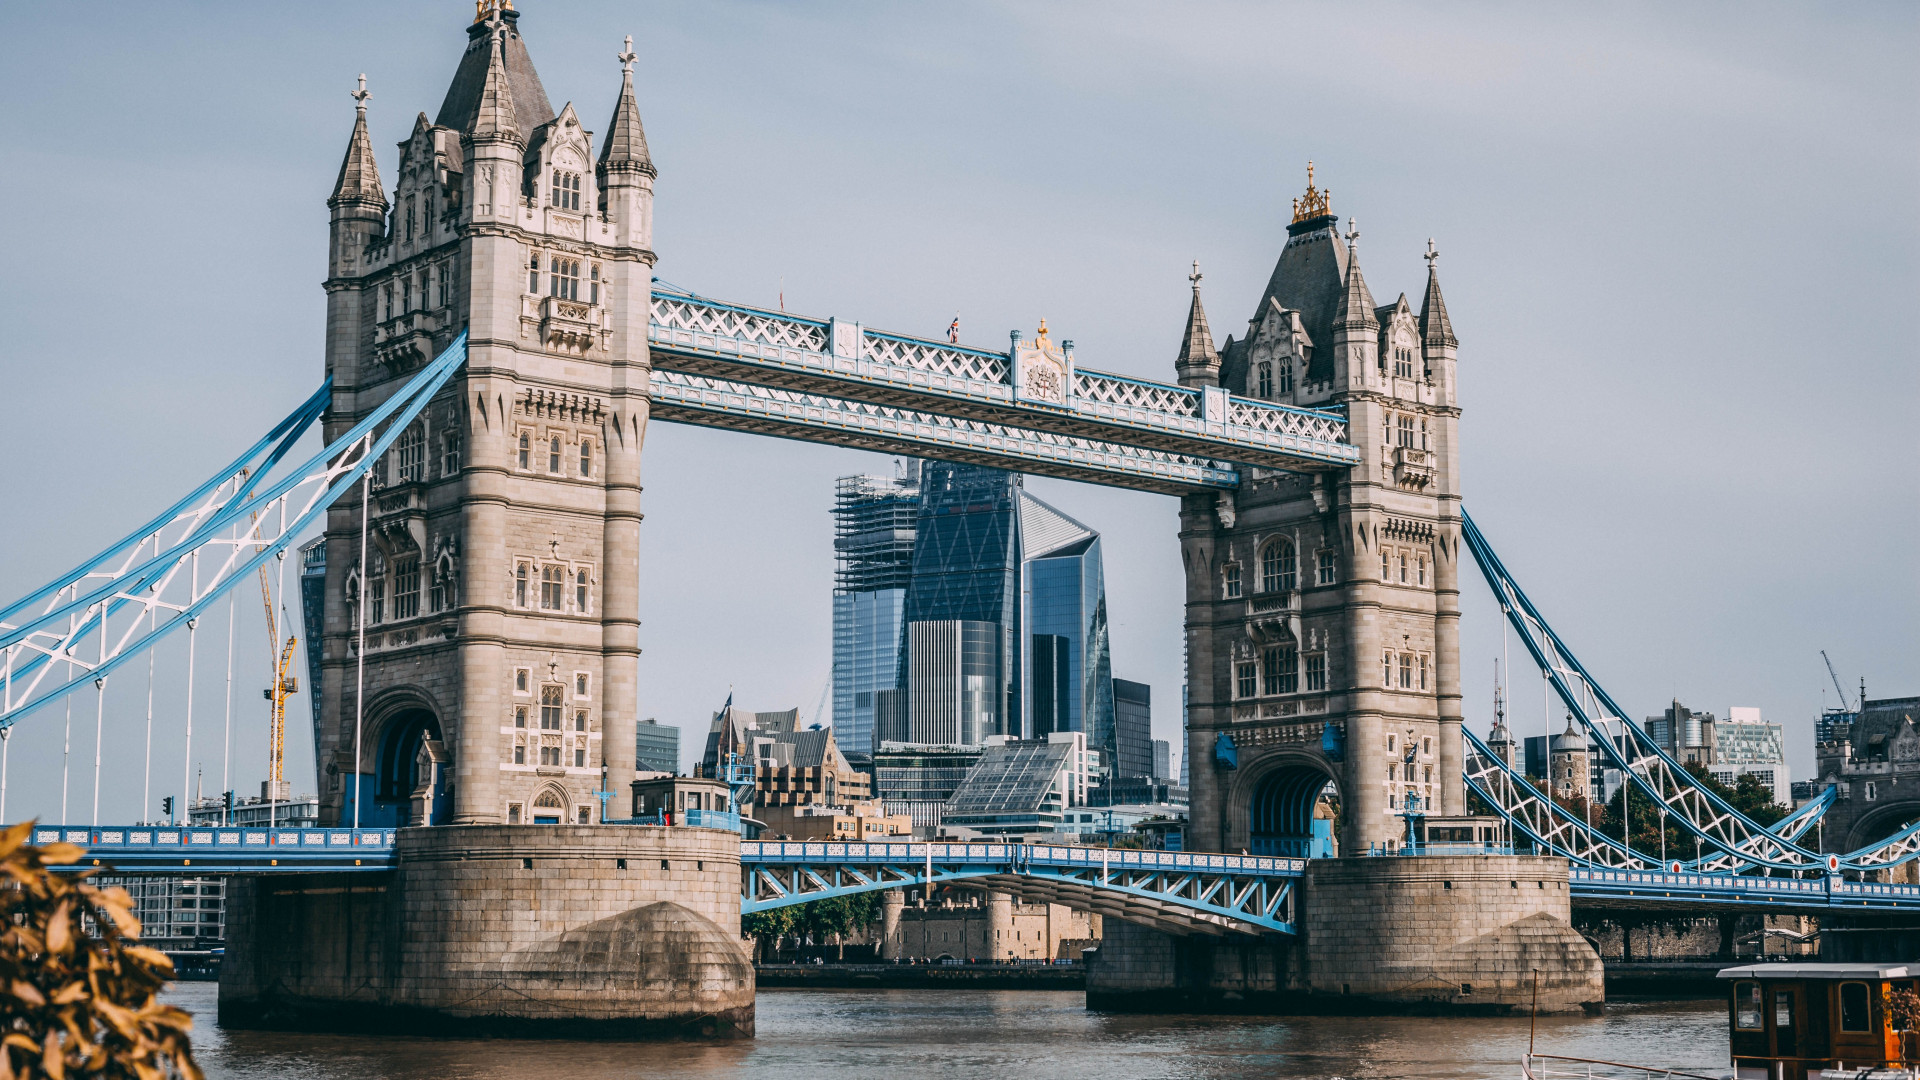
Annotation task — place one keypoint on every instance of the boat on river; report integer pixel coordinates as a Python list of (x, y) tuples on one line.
[(1793, 1022)]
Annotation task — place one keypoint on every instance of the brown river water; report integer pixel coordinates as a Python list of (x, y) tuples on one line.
[(909, 1034)]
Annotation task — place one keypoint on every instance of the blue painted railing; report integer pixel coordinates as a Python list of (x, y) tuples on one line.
[(198, 849)]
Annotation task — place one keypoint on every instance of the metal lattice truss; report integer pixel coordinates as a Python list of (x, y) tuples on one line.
[(1180, 893), (710, 401), (837, 360), (116, 605), (1731, 842)]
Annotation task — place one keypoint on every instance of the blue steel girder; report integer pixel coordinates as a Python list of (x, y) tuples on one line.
[(190, 850), (1604, 887), (1182, 893), (707, 401), (839, 359)]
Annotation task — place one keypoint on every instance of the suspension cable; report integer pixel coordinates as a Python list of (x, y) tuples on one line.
[(146, 773), (360, 654), (226, 748), (186, 768)]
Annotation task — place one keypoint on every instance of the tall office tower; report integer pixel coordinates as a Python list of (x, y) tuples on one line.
[(1069, 663), (873, 530), (1133, 729), (963, 604), (656, 746), (1162, 759)]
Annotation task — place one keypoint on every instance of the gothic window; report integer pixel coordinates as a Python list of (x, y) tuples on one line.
[(1423, 433), (1286, 376), (1324, 568), (586, 457), (580, 720), (580, 591), (437, 592), (533, 274), (526, 450), (553, 455), (1386, 679), (1426, 746), (580, 762), (549, 755), (406, 294), (1426, 774), (1317, 671), (1406, 431), (1420, 568), (406, 587), (1266, 381), (1403, 567), (582, 816), (386, 302), (1406, 671), (377, 591), (450, 453), (520, 585), (1243, 682), (552, 587), (446, 283), (550, 707), (1422, 664), (409, 217), (566, 190), (513, 809), (520, 717), (521, 676), (564, 278), (1232, 585), (593, 284), (1277, 567), (1392, 741), (1386, 573), (1402, 362), (519, 753), (581, 680), (1279, 669), (410, 454)]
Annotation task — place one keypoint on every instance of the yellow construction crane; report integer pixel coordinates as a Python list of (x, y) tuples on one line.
[(283, 684)]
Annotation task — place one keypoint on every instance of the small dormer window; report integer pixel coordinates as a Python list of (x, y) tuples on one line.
[(566, 190), (1402, 361), (1265, 389), (564, 278), (1286, 376)]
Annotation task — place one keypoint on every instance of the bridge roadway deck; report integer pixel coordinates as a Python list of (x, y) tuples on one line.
[(1127, 883)]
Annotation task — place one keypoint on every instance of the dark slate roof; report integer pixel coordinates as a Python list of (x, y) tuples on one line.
[(1435, 327), (495, 114), (1310, 278), (359, 178), (626, 142), (1196, 346), (462, 104), (1356, 300)]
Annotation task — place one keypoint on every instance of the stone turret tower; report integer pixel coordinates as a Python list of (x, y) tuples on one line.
[(1323, 609), (500, 679)]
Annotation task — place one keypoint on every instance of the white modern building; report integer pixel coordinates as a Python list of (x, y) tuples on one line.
[(1744, 743)]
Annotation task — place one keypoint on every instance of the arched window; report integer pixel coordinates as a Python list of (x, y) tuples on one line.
[(520, 588), (547, 800), (1266, 381), (553, 455), (1277, 567), (580, 591), (563, 278), (552, 587), (533, 274), (1286, 376), (410, 454), (586, 457), (526, 451), (566, 190), (551, 703)]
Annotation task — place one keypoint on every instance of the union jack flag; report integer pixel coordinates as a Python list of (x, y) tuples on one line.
[(953, 331)]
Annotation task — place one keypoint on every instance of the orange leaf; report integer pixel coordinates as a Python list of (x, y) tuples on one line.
[(52, 1061), (61, 854), (15, 835), (29, 993), (60, 929)]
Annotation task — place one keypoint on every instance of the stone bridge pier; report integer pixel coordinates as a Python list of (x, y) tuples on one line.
[(537, 930)]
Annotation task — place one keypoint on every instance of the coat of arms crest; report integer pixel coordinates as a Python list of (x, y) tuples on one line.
[(1042, 370)]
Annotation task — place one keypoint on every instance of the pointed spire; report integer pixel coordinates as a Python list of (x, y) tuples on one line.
[(626, 147), (359, 180), (1356, 303), (495, 117), (1435, 328), (1198, 359)]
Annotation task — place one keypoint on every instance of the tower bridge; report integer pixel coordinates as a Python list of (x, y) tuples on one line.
[(496, 348)]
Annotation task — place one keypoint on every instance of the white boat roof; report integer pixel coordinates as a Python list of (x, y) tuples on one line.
[(1823, 971)]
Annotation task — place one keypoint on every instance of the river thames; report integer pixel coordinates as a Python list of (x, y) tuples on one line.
[(901, 1034)]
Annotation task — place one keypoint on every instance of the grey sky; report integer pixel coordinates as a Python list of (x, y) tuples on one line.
[(1677, 245)]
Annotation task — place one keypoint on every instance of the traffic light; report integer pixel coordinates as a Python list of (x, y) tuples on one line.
[(166, 807)]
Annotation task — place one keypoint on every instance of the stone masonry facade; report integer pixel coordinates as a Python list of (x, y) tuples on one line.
[(501, 574), (540, 930)]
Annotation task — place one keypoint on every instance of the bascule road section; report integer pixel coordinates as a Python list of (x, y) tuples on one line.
[(1030, 409)]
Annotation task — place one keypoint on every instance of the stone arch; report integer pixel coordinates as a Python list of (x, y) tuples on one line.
[(1270, 806), (550, 805), (400, 723), (1879, 823), (1279, 565)]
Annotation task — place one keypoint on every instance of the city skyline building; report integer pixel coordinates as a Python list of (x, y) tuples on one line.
[(874, 524), (656, 746), (1744, 743), (1069, 657)]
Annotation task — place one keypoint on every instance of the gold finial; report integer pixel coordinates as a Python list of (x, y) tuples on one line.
[(1314, 203), (483, 8), (1040, 335)]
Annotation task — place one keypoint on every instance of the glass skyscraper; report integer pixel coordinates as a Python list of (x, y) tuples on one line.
[(1068, 656), (874, 519)]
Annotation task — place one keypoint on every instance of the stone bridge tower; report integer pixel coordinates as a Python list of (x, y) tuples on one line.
[(501, 575), (1323, 609)]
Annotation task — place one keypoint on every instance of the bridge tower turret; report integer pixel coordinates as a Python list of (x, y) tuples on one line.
[(1322, 609), (501, 576)]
